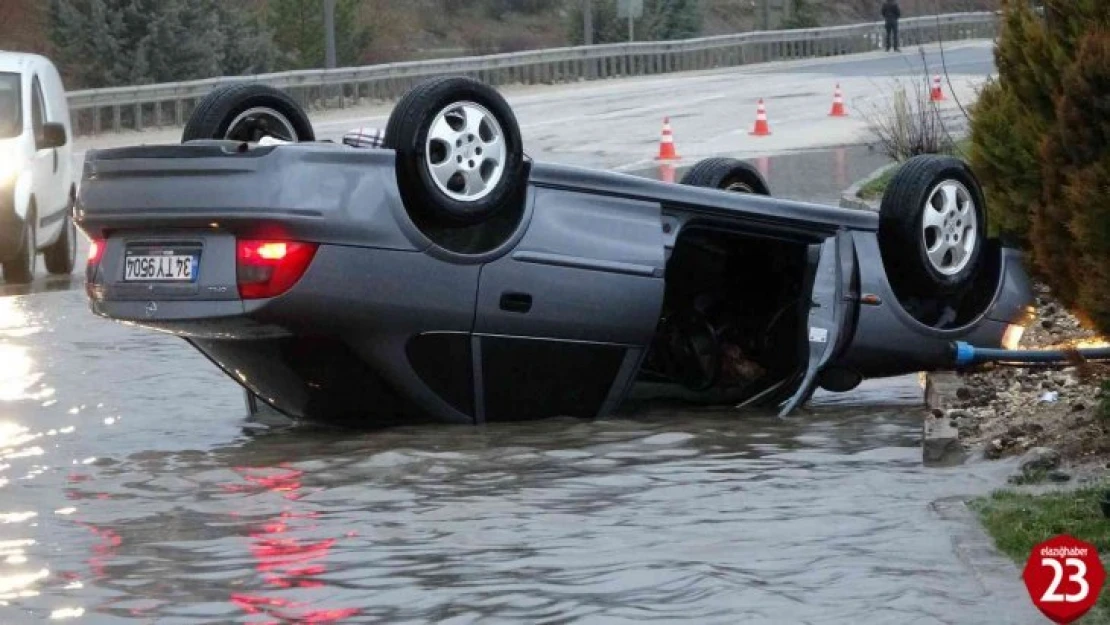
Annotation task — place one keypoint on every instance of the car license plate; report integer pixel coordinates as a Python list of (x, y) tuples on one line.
[(160, 266)]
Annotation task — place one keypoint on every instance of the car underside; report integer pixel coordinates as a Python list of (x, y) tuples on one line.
[(412, 281)]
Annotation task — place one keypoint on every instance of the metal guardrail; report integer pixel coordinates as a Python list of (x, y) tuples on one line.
[(95, 111)]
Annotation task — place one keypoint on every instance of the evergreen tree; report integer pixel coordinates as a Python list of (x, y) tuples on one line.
[(298, 31), (673, 19), (804, 15), (104, 43), (1041, 146), (608, 28)]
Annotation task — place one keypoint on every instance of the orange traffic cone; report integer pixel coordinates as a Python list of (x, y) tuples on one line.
[(937, 93), (666, 143), (838, 104), (761, 127)]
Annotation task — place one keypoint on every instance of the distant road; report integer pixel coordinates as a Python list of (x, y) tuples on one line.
[(616, 123)]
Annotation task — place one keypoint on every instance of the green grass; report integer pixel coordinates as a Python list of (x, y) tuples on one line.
[(874, 190), (1018, 521)]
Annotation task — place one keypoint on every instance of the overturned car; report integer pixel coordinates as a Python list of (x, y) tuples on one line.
[(444, 275)]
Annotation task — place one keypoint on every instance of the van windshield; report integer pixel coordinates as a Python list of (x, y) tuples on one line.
[(11, 112)]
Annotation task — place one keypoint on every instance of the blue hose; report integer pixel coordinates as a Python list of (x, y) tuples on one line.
[(965, 354)]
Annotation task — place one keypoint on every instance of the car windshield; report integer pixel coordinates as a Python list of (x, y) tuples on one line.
[(11, 117)]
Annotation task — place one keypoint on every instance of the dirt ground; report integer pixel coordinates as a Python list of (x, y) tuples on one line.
[(1004, 411)]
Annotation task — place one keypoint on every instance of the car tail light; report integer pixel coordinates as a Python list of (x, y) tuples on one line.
[(96, 250), (270, 268)]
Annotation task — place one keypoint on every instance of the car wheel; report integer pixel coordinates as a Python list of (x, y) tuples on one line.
[(932, 226), (21, 268), (728, 174), (248, 112), (62, 254), (459, 153)]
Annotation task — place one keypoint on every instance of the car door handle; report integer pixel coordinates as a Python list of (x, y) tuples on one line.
[(516, 302)]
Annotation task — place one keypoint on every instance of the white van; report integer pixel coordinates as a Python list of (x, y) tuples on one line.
[(37, 186)]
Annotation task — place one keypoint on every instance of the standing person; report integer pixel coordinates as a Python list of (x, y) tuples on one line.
[(891, 13)]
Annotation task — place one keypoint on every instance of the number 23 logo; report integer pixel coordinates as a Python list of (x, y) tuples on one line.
[(1079, 577)]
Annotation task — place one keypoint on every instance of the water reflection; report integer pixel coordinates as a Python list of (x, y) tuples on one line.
[(284, 560), (813, 176)]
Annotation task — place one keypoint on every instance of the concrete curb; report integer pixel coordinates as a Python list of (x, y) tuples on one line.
[(849, 199)]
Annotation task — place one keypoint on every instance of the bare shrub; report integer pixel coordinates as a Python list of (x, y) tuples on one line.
[(909, 123)]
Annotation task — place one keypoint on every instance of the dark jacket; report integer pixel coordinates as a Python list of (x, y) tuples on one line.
[(891, 12)]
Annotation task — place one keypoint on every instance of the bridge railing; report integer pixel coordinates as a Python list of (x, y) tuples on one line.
[(96, 111)]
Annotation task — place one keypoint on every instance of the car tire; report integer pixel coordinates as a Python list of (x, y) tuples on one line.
[(728, 174), (248, 112), (459, 152), (61, 256), (21, 268), (932, 226)]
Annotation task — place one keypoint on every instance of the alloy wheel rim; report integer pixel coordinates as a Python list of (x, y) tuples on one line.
[(465, 151), (260, 121), (739, 187), (949, 227)]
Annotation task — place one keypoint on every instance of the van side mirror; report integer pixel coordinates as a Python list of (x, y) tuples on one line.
[(53, 136)]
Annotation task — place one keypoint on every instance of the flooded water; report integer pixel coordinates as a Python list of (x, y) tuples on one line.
[(134, 489), (811, 176)]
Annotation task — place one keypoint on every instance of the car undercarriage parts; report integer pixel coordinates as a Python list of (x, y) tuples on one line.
[(964, 354)]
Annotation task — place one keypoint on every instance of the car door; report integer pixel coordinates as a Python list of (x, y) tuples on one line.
[(563, 320), (45, 165)]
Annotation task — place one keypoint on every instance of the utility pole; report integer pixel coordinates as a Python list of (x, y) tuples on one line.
[(588, 22), (329, 33), (766, 14)]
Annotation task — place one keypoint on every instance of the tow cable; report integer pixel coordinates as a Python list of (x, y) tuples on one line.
[(966, 354)]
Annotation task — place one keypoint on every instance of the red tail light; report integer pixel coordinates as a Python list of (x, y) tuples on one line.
[(270, 268), (96, 250)]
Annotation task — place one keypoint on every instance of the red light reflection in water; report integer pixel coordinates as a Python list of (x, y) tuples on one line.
[(283, 561)]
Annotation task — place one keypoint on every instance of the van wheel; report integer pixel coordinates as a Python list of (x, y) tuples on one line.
[(248, 112), (459, 154), (728, 174), (932, 226), (61, 256), (21, 268)]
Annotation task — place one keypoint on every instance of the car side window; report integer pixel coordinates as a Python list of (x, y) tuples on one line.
[(38, 110)]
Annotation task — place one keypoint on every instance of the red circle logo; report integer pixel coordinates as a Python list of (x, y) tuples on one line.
[(1064, 577)]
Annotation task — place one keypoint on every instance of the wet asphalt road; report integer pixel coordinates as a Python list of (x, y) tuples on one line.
[(134, 489)]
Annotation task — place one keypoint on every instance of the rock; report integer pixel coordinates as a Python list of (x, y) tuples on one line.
[(1046, 324), (940, 442), (1078, 406), (963, 393), (994, 449), (1058, 476), (1039, 460)]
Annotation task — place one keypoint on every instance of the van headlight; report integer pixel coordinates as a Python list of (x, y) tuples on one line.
[(9, 169)]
